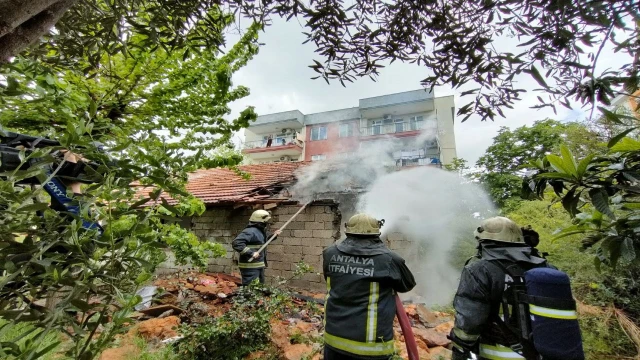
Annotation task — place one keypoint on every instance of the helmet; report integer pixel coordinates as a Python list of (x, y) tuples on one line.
[(499, 229), (363, 224), (260, 216)]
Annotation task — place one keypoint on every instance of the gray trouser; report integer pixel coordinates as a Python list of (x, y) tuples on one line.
[(248, 275)]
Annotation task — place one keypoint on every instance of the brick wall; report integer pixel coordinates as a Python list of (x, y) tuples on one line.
[(303, 240)]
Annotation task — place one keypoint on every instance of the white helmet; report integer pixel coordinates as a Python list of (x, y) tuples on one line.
[(260, 216), (499, 229)]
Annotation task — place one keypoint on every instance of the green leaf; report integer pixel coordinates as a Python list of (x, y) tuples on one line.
[(584, 163), (600, 200), (626, 145), (627, 250), (33, 207), (611, 116), (536, 75), (619, 137), (557, 163), (568, 160)]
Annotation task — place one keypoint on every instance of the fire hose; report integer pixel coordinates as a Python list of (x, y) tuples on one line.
[(407, 331)]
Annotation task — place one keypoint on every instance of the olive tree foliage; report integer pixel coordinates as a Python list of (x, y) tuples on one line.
[(160, 111), (559, 42)]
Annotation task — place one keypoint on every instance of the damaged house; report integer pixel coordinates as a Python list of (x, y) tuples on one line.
[(230, 199)]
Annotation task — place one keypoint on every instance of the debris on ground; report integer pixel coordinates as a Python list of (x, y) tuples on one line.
[(158, 329), (296, 332)]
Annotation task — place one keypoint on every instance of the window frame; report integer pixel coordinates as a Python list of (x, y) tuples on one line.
[(319, 157), (319, 132), (350, 131)]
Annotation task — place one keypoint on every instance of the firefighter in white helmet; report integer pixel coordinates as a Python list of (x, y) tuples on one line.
[(247, 244), (362, 277)]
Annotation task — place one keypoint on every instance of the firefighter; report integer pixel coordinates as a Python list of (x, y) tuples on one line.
[(248, 242), (362, 277), (479, 302)]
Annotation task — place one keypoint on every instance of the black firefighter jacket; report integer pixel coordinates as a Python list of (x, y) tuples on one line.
[(362, 276), (479, 294), (248, 242)]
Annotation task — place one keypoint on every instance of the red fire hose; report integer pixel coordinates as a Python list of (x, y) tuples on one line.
[(405, 325)]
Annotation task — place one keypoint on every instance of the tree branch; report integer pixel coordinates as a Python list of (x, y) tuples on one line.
[(31, 30), (16, 12)]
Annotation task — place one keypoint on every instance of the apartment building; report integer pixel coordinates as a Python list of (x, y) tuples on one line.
[(412, 128)]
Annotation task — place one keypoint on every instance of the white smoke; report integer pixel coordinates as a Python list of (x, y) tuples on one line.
[(431, 207), (434, 209)]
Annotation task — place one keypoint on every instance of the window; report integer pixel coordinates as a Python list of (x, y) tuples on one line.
[(399, 125), (318, 157), (319, 133), (377, 127), (346, 130), (415, 123)]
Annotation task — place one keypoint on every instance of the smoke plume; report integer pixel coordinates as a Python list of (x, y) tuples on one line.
[(433, 208)]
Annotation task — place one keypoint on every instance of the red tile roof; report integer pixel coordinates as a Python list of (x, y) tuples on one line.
[(214, 186)]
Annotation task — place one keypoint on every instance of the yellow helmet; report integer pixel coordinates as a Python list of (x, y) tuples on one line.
[(499, 229), (260, 216), (363, 224)]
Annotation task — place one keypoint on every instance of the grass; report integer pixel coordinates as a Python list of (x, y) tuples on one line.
[(12, 332)]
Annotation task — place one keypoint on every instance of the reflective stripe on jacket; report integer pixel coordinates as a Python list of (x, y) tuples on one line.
[(247, 243), (479, 297), (362, 277)]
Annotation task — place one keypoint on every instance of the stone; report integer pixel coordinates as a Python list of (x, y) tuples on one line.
[(426, 316), (304, 327), (440, 353), (297, 352), (160, 329), (314, 225), (127, 351), (323, 234), (444, 328), (431, 337), (312, 250), (294, 250), (279, 335), (305, 233), (324, 218), (292, 241)]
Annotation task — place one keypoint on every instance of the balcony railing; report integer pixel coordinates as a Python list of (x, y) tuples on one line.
[(276, 142), (395, 128)]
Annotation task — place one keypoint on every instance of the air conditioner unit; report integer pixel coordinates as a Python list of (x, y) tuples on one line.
[(285, 158), (285, 131), (387, 117)]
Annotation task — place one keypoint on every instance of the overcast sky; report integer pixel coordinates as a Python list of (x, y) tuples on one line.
[(279, 79)]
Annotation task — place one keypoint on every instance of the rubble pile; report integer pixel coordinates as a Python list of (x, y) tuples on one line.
[(430, 329), (195, 296), (296, 330)]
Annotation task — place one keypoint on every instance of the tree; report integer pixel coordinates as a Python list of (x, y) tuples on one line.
[(161, 113), (505, 161), (600, 192), (454, 40), (457, 165)]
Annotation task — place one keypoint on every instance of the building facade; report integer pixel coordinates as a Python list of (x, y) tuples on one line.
[(412, 128)]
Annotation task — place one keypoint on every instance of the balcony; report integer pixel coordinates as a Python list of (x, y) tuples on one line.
[(286, 146), (416, 101), (394, 128)]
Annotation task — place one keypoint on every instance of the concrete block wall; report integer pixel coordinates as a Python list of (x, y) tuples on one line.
[(304, 239)]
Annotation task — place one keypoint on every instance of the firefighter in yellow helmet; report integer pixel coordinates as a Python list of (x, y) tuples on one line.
[(488, 286), (247, 244), (362, 277)]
